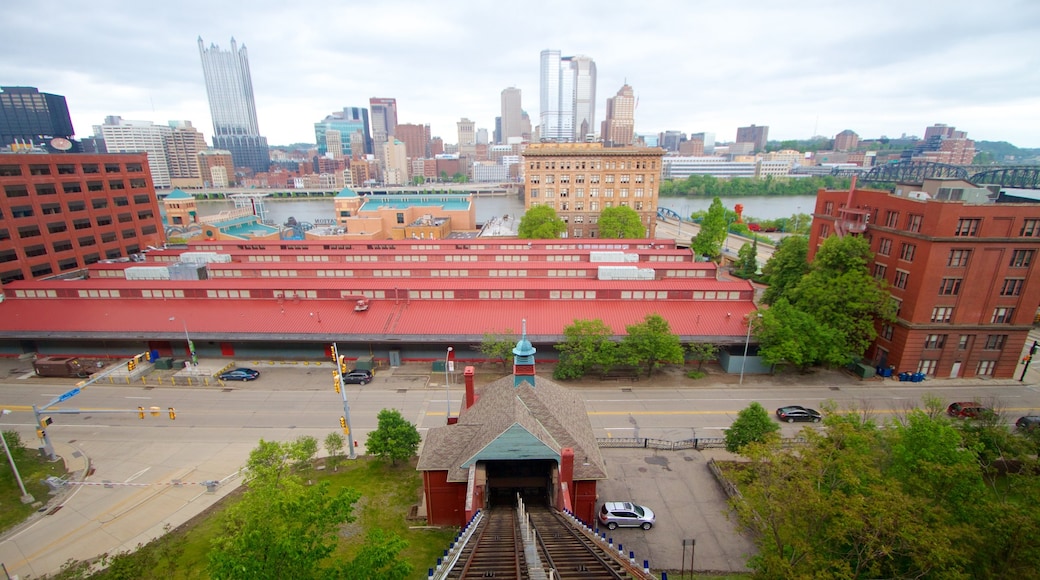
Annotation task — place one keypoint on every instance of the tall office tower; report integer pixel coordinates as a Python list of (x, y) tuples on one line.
[(182, 154), (467, 138), (349, 121), (231, 104), (708, 139), (753, 134), (31, 117), (122, 136), (512, 115), (584, 69), (384, 120), (416, 139), (396, 171), (619, 128), (334, 143)]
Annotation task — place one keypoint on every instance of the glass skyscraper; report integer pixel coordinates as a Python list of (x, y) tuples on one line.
[(231, 104), (31, 117), (349, 121), (567, 97)]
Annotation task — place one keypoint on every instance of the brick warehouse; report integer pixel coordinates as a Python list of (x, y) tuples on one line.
[(960, 262), (61, 212)]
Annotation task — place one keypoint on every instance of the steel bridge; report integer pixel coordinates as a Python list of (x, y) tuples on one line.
[(1022, 177)]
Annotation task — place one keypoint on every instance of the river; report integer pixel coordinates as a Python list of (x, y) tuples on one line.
[(755, 207)]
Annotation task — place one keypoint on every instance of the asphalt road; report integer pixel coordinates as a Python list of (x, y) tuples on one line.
[(151, 472)]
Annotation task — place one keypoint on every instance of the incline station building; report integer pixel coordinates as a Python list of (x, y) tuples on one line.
[(394, 300)]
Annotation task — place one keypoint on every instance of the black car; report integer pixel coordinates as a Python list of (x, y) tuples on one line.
[(357, 378), (1028, 423), (794, 413), (366, 372), (241, 374)]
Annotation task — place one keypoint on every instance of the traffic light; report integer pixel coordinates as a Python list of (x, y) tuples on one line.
[(154, 411), (131, 364), (45, 421), (173, 413), (140, 412), (343, 424), (342, 363), (335, 381)]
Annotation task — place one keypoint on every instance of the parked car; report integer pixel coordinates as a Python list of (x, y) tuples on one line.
[(241, 374), (792, 413), (1028, 423), (365, 372), (616, 514), (357, 378), (968, 410)]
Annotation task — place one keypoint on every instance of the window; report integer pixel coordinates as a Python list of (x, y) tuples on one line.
[(99, 203), (927, 366), (828, 208), (942, 314), (886, 331), (962, 341), (879, 271), (902, 277), (1012, 287), (1003, 315), (996, 341), (935, 341), (958, 258), (46, 189), (25, 232), (86, 241), (967, 227), (1030, 229), (906, 252), (1021, 258), (913, 223), (885, 247), (57, 227), (986, 368), (950, 286), (22, 211), (891, 218), (71, 188)]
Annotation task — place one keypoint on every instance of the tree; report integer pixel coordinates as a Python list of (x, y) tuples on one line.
[(586, 344), (785, 267), (280, 528), (418, 180), (394, 438), (708, 241), (334, 445), (650, 343), (747, 260), (460, 178), (499, 347), (752, 425), (621, 222), (540, 223), (378, 558), (702, 351), (787, 335)]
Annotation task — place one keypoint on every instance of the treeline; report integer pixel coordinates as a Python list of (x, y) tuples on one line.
[(710, 186)]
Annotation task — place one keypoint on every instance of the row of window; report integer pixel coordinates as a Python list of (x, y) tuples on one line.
[(25, 211), (1001, 315), (965, 227), (592, 164), (564, 179), (44, 189), (70, 169), (938, 341), (579, 193)]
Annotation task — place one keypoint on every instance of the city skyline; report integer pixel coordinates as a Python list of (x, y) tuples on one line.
[(802, 70)]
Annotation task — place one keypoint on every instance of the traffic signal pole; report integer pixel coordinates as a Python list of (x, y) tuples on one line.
[(341, 369), (1027, 360)]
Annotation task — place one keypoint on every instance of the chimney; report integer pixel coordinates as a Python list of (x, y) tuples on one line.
[(471, 397), (567, 467)]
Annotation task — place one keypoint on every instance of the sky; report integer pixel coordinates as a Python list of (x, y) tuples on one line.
[(804, 68)]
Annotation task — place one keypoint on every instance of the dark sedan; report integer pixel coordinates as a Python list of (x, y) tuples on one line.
[(794, 413), (242, 374)]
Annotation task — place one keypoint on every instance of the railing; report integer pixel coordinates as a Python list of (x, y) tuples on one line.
[(668, 445)]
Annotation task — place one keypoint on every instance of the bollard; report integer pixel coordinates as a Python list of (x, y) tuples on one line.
[(429, 572), (646, 566), (632, 556), (664, 575)]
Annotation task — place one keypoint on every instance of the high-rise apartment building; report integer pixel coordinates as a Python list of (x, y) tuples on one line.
[(384, 119), (567, 91), (217, 168), (755, 135), (64, 211), (512, 115), (619, 128), (31, 117), (580, 180), (347, 122), (124, 136), (961, 266), (183, 145), (416, 139), (847, 140), (396, 156), (229, 87)]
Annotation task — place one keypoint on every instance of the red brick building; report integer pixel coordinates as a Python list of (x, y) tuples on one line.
[(61, 212), (961, 264)]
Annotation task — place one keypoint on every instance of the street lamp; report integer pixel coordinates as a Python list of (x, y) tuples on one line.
[(191, 346), (448, 360), (26, 498), (747, 340)]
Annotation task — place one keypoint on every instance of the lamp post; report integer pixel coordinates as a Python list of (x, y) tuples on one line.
[(448, 361), (191, 346), (26, 498), (747, 340)]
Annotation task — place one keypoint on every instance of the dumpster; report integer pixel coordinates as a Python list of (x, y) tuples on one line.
[(365, 363)]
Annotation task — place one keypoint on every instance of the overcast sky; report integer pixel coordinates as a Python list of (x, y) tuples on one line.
[(802, 68)]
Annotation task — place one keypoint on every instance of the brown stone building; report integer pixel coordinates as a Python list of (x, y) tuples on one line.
[(60, 212), (579, 180), (961, 264)]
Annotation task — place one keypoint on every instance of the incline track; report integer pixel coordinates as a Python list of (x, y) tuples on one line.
[(497, 550), (571, 553)]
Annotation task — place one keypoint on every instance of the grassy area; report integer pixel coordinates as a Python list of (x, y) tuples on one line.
[(387, 495), (33, 469)]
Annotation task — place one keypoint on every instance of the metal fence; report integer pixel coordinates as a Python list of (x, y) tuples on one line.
[(668, 445)]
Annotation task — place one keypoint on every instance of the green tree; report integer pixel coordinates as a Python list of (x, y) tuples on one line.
[(621, 222), (280, 528), (787, 335), (702, 351), (394, 438), (418, 180), (650, 343), (586, 344), (708, 241), (334, 446), (460, 178), (752, 425), (378, 558), (499, 347), (785, 267), (540, 223), (747, 260)]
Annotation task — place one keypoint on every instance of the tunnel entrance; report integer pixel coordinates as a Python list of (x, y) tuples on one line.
[(531, 478)]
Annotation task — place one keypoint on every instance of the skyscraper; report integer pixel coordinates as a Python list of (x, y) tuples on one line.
[(349, 121), (230, 90), (384, 120), (467, 137), (753, 134), (619, 126), (125, 136), (567, 97), (31, 117), (512, 115)]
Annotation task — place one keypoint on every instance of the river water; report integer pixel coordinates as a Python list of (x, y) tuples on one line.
[(755, 207)]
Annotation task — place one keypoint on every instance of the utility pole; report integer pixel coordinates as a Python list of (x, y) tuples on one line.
[(1027, 360), (340, 364)]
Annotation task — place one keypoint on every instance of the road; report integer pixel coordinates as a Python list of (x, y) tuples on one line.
[(682, 233), (157, 467)]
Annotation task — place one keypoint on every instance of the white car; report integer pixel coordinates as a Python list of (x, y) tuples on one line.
[(616, 514)]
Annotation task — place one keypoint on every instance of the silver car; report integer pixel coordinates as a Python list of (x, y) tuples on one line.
[(616, 514)]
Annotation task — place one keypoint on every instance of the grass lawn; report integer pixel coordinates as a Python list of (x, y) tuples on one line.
[(33, 469)]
